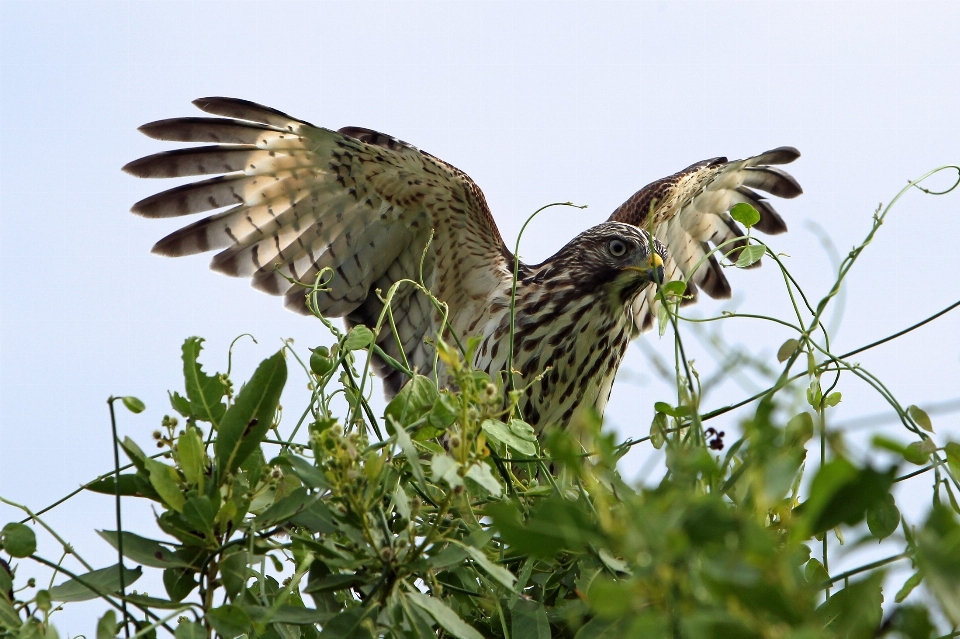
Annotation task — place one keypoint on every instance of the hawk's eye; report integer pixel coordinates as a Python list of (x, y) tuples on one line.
[(617, 248)]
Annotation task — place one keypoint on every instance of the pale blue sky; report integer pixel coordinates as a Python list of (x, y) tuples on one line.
[(538, 102)]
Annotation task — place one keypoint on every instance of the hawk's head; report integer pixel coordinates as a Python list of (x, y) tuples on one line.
[(615, 258)]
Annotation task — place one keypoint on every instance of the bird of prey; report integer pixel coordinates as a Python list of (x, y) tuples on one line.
[(293, 198)]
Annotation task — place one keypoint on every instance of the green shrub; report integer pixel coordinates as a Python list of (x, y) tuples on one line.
[(448, 516)]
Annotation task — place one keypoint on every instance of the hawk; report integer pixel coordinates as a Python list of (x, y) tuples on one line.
[(293, 198)]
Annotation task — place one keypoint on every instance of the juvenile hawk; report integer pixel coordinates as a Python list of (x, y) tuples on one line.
[(297, 198)]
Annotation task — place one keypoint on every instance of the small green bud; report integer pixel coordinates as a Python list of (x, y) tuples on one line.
[(320, 361)]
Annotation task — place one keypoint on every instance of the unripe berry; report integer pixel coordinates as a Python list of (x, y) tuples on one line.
[(320, 361)]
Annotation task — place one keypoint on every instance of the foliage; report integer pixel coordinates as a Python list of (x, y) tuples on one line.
[(456, 518)]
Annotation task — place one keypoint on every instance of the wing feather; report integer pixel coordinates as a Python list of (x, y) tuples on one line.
[(219, 130), (247, 110), (297, 199), (689, 212)]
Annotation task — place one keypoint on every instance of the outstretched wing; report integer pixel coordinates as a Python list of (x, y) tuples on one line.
[(690, 214), (299, 198)]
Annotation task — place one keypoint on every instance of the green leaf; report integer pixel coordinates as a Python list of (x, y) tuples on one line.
[(131, 485), (31, 629), (164, 478), (610, 598), (6, 584), (178, 582), (401, 502), (18, 540), (883, 517), (286, 508), (444, 411), (665, 408), (230, 621), (203, 391), (555, 524), (180, 403), (952, 450), (675, 287), (658, 430), (153, 602), (142, 550), (234, 572), (920, 416), (317, 518), (481, 474), (105, 580), (522, 429), (252, 466), (107, 626), (840, 494), (190, 630), (332, 583), (358, 338), (8, 614), (918, 453), (451, 555), (499, 573), (201, 513), (296, 615), (855, 612), (420, 622), (310, 475), (191, 456), (137, 456), (445, 468), (247, 421), (908, 586), (502, 434), (529, 621), (938, 556), (800, 428), (787, 349), (349, 624), (912, 622), (833, 399), (410, 452), (598, 628), (750, 255), (815, 574), (133, 404), (663, 318), (879, 441), (447, 618), (745, 214), (414, 400)]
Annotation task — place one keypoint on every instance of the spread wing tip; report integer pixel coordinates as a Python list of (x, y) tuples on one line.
[(779, 155), (246, 110)]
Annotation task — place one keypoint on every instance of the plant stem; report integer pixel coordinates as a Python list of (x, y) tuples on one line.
[(116, 469), (864, 568)]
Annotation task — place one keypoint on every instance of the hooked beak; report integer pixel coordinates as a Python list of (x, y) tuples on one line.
[(653, 269)]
